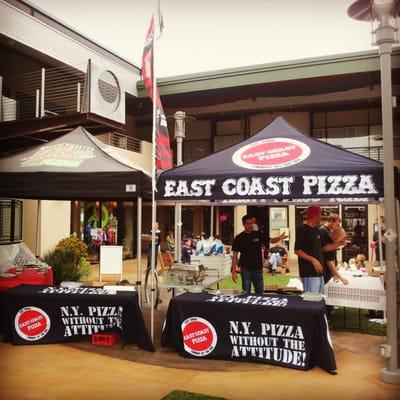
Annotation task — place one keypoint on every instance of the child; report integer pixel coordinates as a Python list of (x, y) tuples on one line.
[(186, 251), (360, 261)]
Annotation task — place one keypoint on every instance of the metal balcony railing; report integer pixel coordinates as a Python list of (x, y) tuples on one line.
[(376, 153), (37, 94), (121, 141)]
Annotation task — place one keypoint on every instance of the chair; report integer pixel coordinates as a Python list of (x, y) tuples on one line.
[(165, 261)]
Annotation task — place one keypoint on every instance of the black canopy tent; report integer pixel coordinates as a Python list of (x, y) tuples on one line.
[(74, 166), (279, 163)]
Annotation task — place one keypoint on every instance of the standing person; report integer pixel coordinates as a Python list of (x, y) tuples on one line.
[(249, 244), (187, 251), (375, 240), (358, 231), (309, 251), (170, 241), (329, 247)]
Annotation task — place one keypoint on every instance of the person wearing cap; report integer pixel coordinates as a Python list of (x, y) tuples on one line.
[(309, 251), (249, 244)]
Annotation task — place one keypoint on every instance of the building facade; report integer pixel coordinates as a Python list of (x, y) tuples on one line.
[(45, 86)]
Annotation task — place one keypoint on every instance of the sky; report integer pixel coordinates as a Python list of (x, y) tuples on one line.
[(207, 35)]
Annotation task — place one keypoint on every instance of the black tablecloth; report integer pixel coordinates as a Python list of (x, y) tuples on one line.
[(278, 329), (49, 314)]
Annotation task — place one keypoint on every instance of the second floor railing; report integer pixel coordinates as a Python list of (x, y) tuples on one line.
[(46, 92), (121, 141), (375, 152)]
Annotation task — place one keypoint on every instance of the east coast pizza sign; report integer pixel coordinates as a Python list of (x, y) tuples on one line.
[(199, 336), (271, 153), (259, 160), (32, 323)]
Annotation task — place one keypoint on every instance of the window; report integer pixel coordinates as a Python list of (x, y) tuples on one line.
[(359, 131), (221, 142), (10, 221), (228, 133), (326, 210), (355, 219), (195, 149)]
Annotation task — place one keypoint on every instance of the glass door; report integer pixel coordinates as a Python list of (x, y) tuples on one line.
[(355, 224)]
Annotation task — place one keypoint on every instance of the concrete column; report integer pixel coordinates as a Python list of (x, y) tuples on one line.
[(238, 213)]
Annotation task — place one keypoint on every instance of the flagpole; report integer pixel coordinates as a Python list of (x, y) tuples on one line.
[(153, 189), (161, 150)]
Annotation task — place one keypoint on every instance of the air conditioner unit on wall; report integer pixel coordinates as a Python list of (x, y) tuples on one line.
[(104, 93)]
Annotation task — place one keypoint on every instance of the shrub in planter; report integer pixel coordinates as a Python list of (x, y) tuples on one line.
[(84, 269), (64, 264), (75, 245)]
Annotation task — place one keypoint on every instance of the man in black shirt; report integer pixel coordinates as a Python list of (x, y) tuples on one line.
[(309, 251), (249, 244)]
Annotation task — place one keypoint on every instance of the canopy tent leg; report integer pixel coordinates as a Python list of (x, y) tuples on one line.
[(38, 230), (139, 249), (380, 248), (178, 232), (397, 230), (212, 221), (217, 227)]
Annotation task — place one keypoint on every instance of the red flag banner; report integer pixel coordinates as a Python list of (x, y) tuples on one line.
[(147, 59), (163, 148)]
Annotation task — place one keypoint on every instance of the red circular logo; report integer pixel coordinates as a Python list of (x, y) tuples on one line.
[(199, 336), (271, 153), (32, 323)]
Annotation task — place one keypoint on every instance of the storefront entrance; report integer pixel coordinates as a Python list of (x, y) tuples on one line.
[(104, 223), (354, 222), (261, 213)]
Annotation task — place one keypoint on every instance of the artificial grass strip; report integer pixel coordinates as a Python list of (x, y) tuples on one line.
[(182, 395), (269, 279), (337, 322)]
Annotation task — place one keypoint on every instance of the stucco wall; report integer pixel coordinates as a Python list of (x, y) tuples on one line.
[(55, 217), (29, 224), (136, 160)]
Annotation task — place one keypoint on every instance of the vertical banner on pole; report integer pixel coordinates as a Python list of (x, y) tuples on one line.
[(161, 151)]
